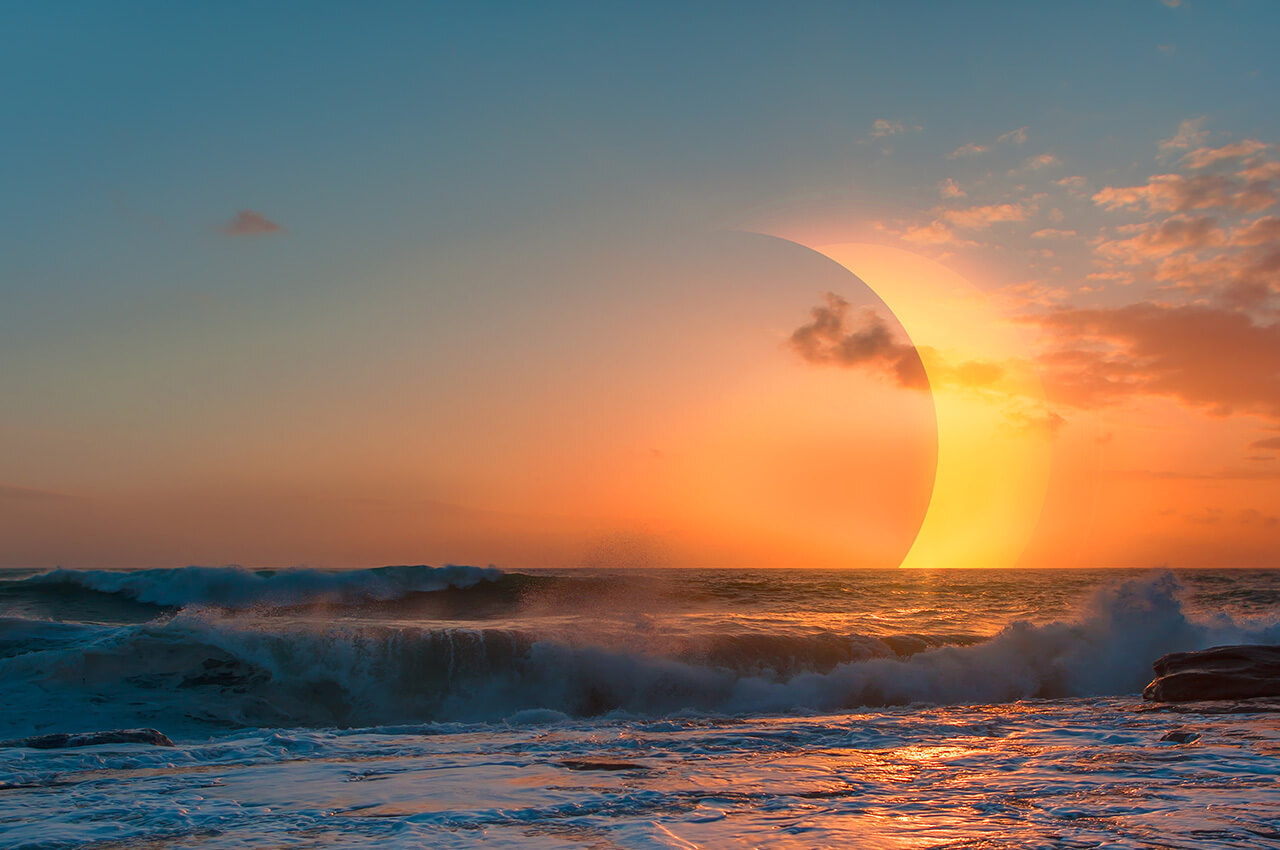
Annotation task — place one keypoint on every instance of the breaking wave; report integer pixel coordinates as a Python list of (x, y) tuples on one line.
[(237, 587), (202, 668)]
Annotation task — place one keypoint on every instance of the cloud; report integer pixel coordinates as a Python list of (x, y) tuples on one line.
[(1258, 232), (971, 149), (1177, 193), (1191, 134), (1044, 160), (1203, 356), (1053, 233), (1172, 4), (1155, 240), (1268, 443), (250, 223), (884, 127), (1017, 136), (831, 339), (980, 217), (1261, 171), (1204, 157), (934, 233), (949, 188)]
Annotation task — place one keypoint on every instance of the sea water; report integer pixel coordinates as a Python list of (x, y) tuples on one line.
[(446, 707)]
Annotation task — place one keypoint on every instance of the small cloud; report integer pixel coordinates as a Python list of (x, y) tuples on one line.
[(1268, 443), (949, 188), (1191, 134), (1166, 48), (1044, 160), (934, 233), (968, 150), (1172, 4), (1122, 278), (978, 218), (1053, 233), (250, 223), (830, 339), (1017, 136), (884, 127)]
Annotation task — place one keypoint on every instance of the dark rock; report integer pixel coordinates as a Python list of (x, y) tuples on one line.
[(601, 764), (61, 740), (1223, 672), (1179, 736)]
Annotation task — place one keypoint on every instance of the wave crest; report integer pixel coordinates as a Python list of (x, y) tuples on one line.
[(225, 669), (238, 587)]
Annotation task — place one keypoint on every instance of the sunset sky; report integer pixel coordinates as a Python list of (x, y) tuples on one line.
[(574, 284)]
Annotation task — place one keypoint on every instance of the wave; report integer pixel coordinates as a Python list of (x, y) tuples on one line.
[(203, 669), (237, 587)]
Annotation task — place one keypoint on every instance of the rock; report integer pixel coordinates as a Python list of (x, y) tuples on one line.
[(62, 740), (1179, 736), (601, 764), (1223, 672)]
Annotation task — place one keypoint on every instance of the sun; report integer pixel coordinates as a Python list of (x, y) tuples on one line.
[(995, 432)]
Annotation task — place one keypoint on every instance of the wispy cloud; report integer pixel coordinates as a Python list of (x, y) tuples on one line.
[(981, 217), (1191, 134), (1044, 160), (971, 149), (882, 127), (949, 188), (1179, 193), (1204, 157), (250, 223), (1017, 136)]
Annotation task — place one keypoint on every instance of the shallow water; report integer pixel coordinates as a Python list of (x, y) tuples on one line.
[(415, 707)]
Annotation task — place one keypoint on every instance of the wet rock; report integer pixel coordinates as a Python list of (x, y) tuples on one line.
[(61, 740), (601, 764), (1220, 673), (1179, 736)]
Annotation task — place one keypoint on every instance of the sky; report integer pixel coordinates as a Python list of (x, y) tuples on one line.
[(550, 284)]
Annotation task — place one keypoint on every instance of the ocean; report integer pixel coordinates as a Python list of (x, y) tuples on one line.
[(415, 706)]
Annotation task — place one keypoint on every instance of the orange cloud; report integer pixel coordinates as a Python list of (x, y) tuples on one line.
[(1044, 160), (1203, 356), (1204, 157), (978, 218), (1176, 193), (971, 149), (934, 233), (250, 223), (1153, 241)]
